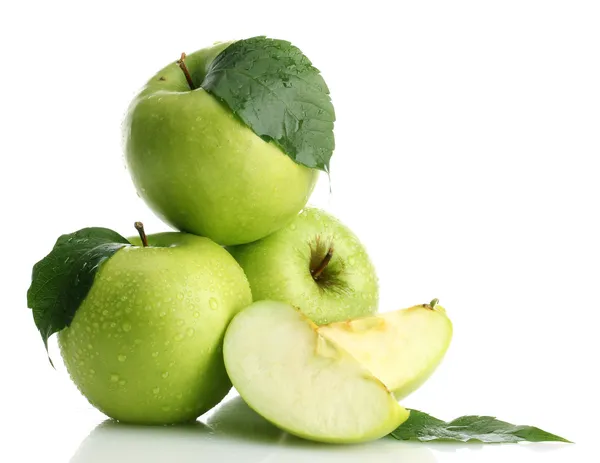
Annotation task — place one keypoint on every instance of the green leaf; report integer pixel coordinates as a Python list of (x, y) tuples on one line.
[(277, 92), (487, 429), (62, 279)]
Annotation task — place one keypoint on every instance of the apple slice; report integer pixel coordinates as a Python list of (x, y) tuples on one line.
[(303, 383), (401, 348)]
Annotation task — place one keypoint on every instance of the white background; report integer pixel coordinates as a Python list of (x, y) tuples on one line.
[(467, 147)]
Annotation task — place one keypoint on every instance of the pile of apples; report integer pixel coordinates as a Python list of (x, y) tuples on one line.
[(256, 290)]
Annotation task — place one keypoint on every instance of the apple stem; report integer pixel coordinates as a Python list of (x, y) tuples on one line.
[(434, 302), (186, 73), (316, 273), (139, 226)]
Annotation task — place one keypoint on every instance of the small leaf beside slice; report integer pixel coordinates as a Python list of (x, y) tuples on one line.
[(62, 279), (487, 429), (271, 86)]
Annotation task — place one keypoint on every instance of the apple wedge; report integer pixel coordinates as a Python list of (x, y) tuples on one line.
[(302, 382), (401, 348)]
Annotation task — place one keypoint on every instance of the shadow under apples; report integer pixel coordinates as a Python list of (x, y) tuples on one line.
[(235, 418), (117, 442), (233, 433)]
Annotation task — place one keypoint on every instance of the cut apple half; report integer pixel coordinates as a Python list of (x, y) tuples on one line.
[(401, 348), (302, 382)]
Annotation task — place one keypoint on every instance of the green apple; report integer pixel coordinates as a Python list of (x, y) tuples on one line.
[(316, 264), (200, 168), (145, 345), (302, 382), (401, 348)]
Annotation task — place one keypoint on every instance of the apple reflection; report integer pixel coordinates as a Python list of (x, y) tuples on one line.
[(232, 433)]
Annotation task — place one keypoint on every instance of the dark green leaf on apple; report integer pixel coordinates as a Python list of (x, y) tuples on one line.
[(62, 279), (277, 92), (486, 429)]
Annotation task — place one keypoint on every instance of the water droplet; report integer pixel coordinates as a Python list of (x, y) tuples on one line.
[(214, 304), (166, 408), (190, 332), (196, 314), (92, 371), (156, 390), (180, 322), (137, 341), (351, 260), (165, 374), (105, 312), (179, 395), (122, 357), (126, 327), (154, 354), (180, 296), (89, 346), (162, 314), (178, 337), (122, 382), (114, 378)]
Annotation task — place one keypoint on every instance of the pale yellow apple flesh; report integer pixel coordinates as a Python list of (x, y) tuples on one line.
[(401, 348)]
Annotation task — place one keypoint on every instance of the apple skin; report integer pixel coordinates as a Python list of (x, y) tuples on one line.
[(145, 346), (201, 169), (278, 268)]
